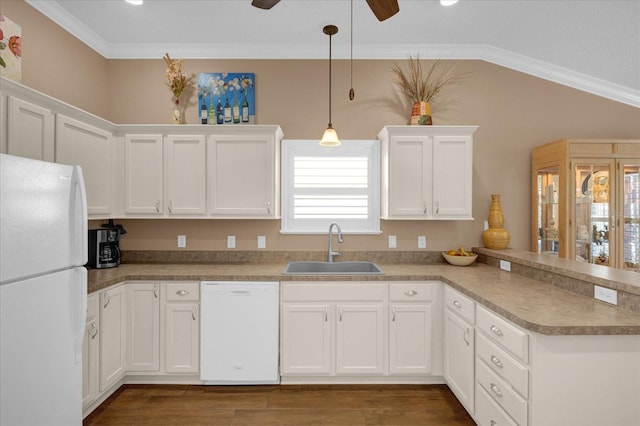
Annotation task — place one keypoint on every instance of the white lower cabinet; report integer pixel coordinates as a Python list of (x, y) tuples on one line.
[(143, 327), (90, 346), (333, 331), (459, 346), (112, 335), (182, 327)]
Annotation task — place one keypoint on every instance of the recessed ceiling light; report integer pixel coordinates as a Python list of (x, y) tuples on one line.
[(135, 2), (448, 2)]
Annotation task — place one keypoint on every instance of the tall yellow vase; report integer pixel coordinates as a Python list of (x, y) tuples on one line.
[(496, 237)]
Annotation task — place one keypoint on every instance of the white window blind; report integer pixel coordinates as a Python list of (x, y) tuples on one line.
[(323, 185)]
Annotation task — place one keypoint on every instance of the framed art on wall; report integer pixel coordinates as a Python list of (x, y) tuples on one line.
[(226, 98), (10, 49)]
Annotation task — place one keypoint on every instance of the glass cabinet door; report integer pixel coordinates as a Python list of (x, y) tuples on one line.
[(547, 206), (630, 208), (593, 230)]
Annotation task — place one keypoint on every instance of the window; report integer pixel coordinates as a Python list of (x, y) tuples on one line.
[(322, 185)]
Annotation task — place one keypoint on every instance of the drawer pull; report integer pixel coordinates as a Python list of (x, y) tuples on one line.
[(493, 423), (496, 390), (182, 292), (496, 331), (496, 361), (410, 292), (457, 304), (464, 336)]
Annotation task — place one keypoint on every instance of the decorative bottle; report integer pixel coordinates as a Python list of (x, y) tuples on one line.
[(219, 112), (245, 110), (203, 112), (496, 237), (236, 110), (212, 113), (227, 112)]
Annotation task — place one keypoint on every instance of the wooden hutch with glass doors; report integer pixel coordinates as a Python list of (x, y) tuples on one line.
[(586, 201)]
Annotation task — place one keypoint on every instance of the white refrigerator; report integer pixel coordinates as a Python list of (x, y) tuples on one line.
[(43, 292)]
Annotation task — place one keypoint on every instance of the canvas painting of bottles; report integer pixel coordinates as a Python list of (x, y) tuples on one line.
[(226, 98)]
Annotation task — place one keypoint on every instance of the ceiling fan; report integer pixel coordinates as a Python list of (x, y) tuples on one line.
[(383, 9)]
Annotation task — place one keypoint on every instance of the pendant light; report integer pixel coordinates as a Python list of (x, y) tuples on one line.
[(330, 137)]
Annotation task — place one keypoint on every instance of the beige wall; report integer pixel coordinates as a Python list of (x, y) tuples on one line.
[(515, 112)]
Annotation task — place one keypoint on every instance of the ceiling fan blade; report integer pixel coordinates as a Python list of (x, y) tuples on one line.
[(264, 4), (383, 9)]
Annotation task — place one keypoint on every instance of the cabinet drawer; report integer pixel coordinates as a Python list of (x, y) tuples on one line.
[(501, 331), (412, 291), (461, 304), (501, 363), (488, 413), (501, 393), (183, 292), (342, 291)]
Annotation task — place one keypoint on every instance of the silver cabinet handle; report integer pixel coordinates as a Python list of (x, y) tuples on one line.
[(457, 304), (437, 207), (410, 293), (393, 314), (94, 327), (170, 206), (326, 314), (340, 314), (182, 292), (425, 208), (493, 423), (496, 390), (155, 291), (496, 361), (496, 331), (107, 299), (193, 312), (464, 336), (268, 207), (158, 206)]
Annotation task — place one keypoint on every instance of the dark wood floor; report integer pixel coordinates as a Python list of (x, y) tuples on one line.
[(281, 405)]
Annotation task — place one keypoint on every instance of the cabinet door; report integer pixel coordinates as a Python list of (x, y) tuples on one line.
[(410, 188), (30, 130), (306, 344), (90, 352), (143, 174), (410, 333), (112, 336), (452, 176), (185, 174), (242, 176), (458, 358), (629, 214), (182, 338), (143, 327), (360, 339), (78, 143)]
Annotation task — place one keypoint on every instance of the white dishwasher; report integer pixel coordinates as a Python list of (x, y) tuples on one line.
[(239, 332)]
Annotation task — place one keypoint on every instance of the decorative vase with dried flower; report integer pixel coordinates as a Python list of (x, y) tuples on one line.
[(177, 82), (422, 87), (496, 237)]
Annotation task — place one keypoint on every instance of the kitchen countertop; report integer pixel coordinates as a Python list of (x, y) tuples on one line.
[(534, 305)]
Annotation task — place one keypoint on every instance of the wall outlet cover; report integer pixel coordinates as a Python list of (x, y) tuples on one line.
[(182, 241), (505, 265), (262, 241), (393, 242), (231, 241), (422, 241), (605, 294)]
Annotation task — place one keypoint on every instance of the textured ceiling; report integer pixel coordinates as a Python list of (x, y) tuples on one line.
[(592, 45)]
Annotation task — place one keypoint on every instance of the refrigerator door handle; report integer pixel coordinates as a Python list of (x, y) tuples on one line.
[(79, 210), (80, 318)]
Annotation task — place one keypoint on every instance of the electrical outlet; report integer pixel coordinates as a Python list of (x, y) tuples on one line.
[(505, 265), (182, 241), (262, 241), (422, 241), (231, 241), (605, 294), (393, 241)]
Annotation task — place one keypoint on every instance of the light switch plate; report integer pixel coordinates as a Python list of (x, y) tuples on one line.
[(392, 241), (422, 241), (182, 241), (231, 241), (262, 241), (505, 265)]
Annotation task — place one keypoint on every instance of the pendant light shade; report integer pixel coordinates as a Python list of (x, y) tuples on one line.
[(330, 137)]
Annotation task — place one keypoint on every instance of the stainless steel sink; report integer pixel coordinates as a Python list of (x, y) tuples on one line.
[(332, 268)]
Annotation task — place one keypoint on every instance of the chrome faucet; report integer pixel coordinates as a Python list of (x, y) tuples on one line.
[(330, 253)]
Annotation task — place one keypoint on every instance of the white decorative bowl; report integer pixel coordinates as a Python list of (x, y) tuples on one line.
[(460, 260)]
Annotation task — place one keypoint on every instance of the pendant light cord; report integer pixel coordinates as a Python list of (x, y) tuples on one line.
[(330, 125), (352, 93)]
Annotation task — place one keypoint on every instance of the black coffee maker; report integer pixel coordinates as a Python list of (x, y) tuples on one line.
[(104, 246)]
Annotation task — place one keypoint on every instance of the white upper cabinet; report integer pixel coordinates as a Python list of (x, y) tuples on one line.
[(243, 173), (143, 191), (185, 175), (78, 143), (426, 172), (30, 130)]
